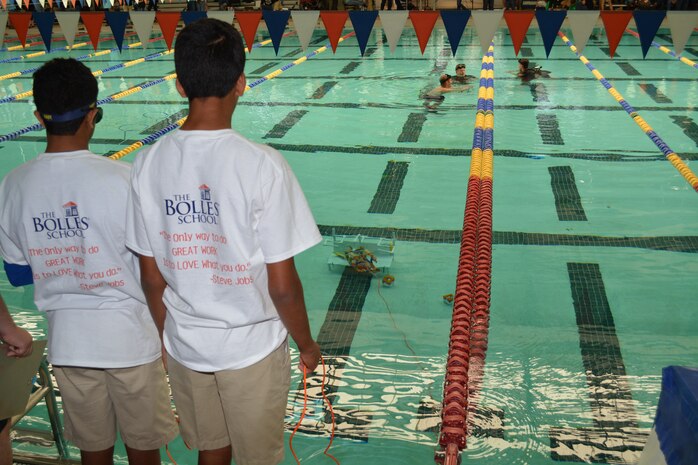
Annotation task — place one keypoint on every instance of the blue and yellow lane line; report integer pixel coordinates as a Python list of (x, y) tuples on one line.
[(667, 50), (670, 155)]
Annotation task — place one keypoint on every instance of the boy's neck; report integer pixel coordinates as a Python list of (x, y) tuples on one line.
[(210, 113), (57, 144)]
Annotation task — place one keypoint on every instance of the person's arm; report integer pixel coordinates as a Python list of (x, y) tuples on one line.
[(286, 292), (154, 285), (18, 340)]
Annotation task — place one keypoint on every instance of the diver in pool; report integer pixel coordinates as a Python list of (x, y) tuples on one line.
[(434, 98), (528, 71)]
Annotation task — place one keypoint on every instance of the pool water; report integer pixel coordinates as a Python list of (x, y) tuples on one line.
[(594, 236)]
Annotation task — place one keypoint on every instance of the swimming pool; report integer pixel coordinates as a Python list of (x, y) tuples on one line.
[(594, 236)]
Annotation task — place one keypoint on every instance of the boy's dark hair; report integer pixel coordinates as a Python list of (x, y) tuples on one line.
[(62, 86), (524, 62), (209, 58)]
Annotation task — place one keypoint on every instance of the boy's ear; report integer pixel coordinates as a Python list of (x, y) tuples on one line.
[(180, 89), (37, 115), (240, 85)]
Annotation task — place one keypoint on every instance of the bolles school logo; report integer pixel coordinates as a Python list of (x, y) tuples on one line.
[(189, 211), (57, 227)]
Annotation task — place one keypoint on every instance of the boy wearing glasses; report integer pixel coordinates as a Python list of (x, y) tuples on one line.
[(62, 227)]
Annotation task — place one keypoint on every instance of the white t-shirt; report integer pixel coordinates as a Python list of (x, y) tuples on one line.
[(63, 214), (213, 208)]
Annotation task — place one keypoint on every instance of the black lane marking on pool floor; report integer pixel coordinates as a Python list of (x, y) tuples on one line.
[(549, 129), (335, 338), (690, 128), (166, 122), (628, 68), (412, 127), (568, 203), (350, 67), (610, 396), (280, 129), (654, 93), (388, 192), (265, 67), (685, 244), (539, 92), (321, 91)]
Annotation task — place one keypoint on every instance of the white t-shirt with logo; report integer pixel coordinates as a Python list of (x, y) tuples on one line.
[(63, 214), (213, 208)]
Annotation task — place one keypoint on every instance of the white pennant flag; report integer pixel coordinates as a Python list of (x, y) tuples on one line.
[(226, 15), (393, 22), (68, 21), (43, 3), (143, 24), (681, 24), (3, 25), (582, 24), (65, 3), (305, 23), (486, 24), (89, 3)]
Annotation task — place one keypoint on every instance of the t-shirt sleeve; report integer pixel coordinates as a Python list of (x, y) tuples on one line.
[(286, 225), (136, 235), (10, 248)]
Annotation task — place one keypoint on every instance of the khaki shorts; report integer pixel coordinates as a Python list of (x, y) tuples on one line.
[(244, 408), (136, 399)]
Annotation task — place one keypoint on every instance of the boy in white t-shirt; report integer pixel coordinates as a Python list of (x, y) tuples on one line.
[(217, 220), (62, 218)]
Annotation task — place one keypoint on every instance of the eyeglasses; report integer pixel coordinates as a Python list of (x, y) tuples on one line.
[(99, 115)]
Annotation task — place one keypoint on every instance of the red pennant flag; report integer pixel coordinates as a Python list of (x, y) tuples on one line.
[(615, 23), (168, 25), (20, 21), (26, 4), (334, 24), (249, 22), (518, 23), (93, 23), (423, 23)]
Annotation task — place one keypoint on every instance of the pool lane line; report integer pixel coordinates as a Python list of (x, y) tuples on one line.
[(132, 90), (670, 155), (61, 49), (80, 58), (156, 135), (470, 320), (667, 50)]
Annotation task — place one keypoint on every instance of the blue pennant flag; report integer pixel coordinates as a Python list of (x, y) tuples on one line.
[(44, 21), (117, 22), (191, 16), (549, 23), (455, 22), (363, 22), (276, 23), (648, 22)]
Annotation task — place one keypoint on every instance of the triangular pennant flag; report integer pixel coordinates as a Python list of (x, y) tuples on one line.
[(143, 24), (393, 23), (191, 16), (117, 23), (582, 23), (89, 3), (549, 23), (486, 24), (4, 7), (20, 21), (50, 3), (3, 26), (423, 23), (648, 22), (93, 23), (334, 25), (518, 22), (44, 22), (681, 24), (305, 22), (454, 23), (40, 2), (68, 21), (615, 23), (249, 22), (276, 22), (363, 22), (226, 16), (167, 20), (65, 3)]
